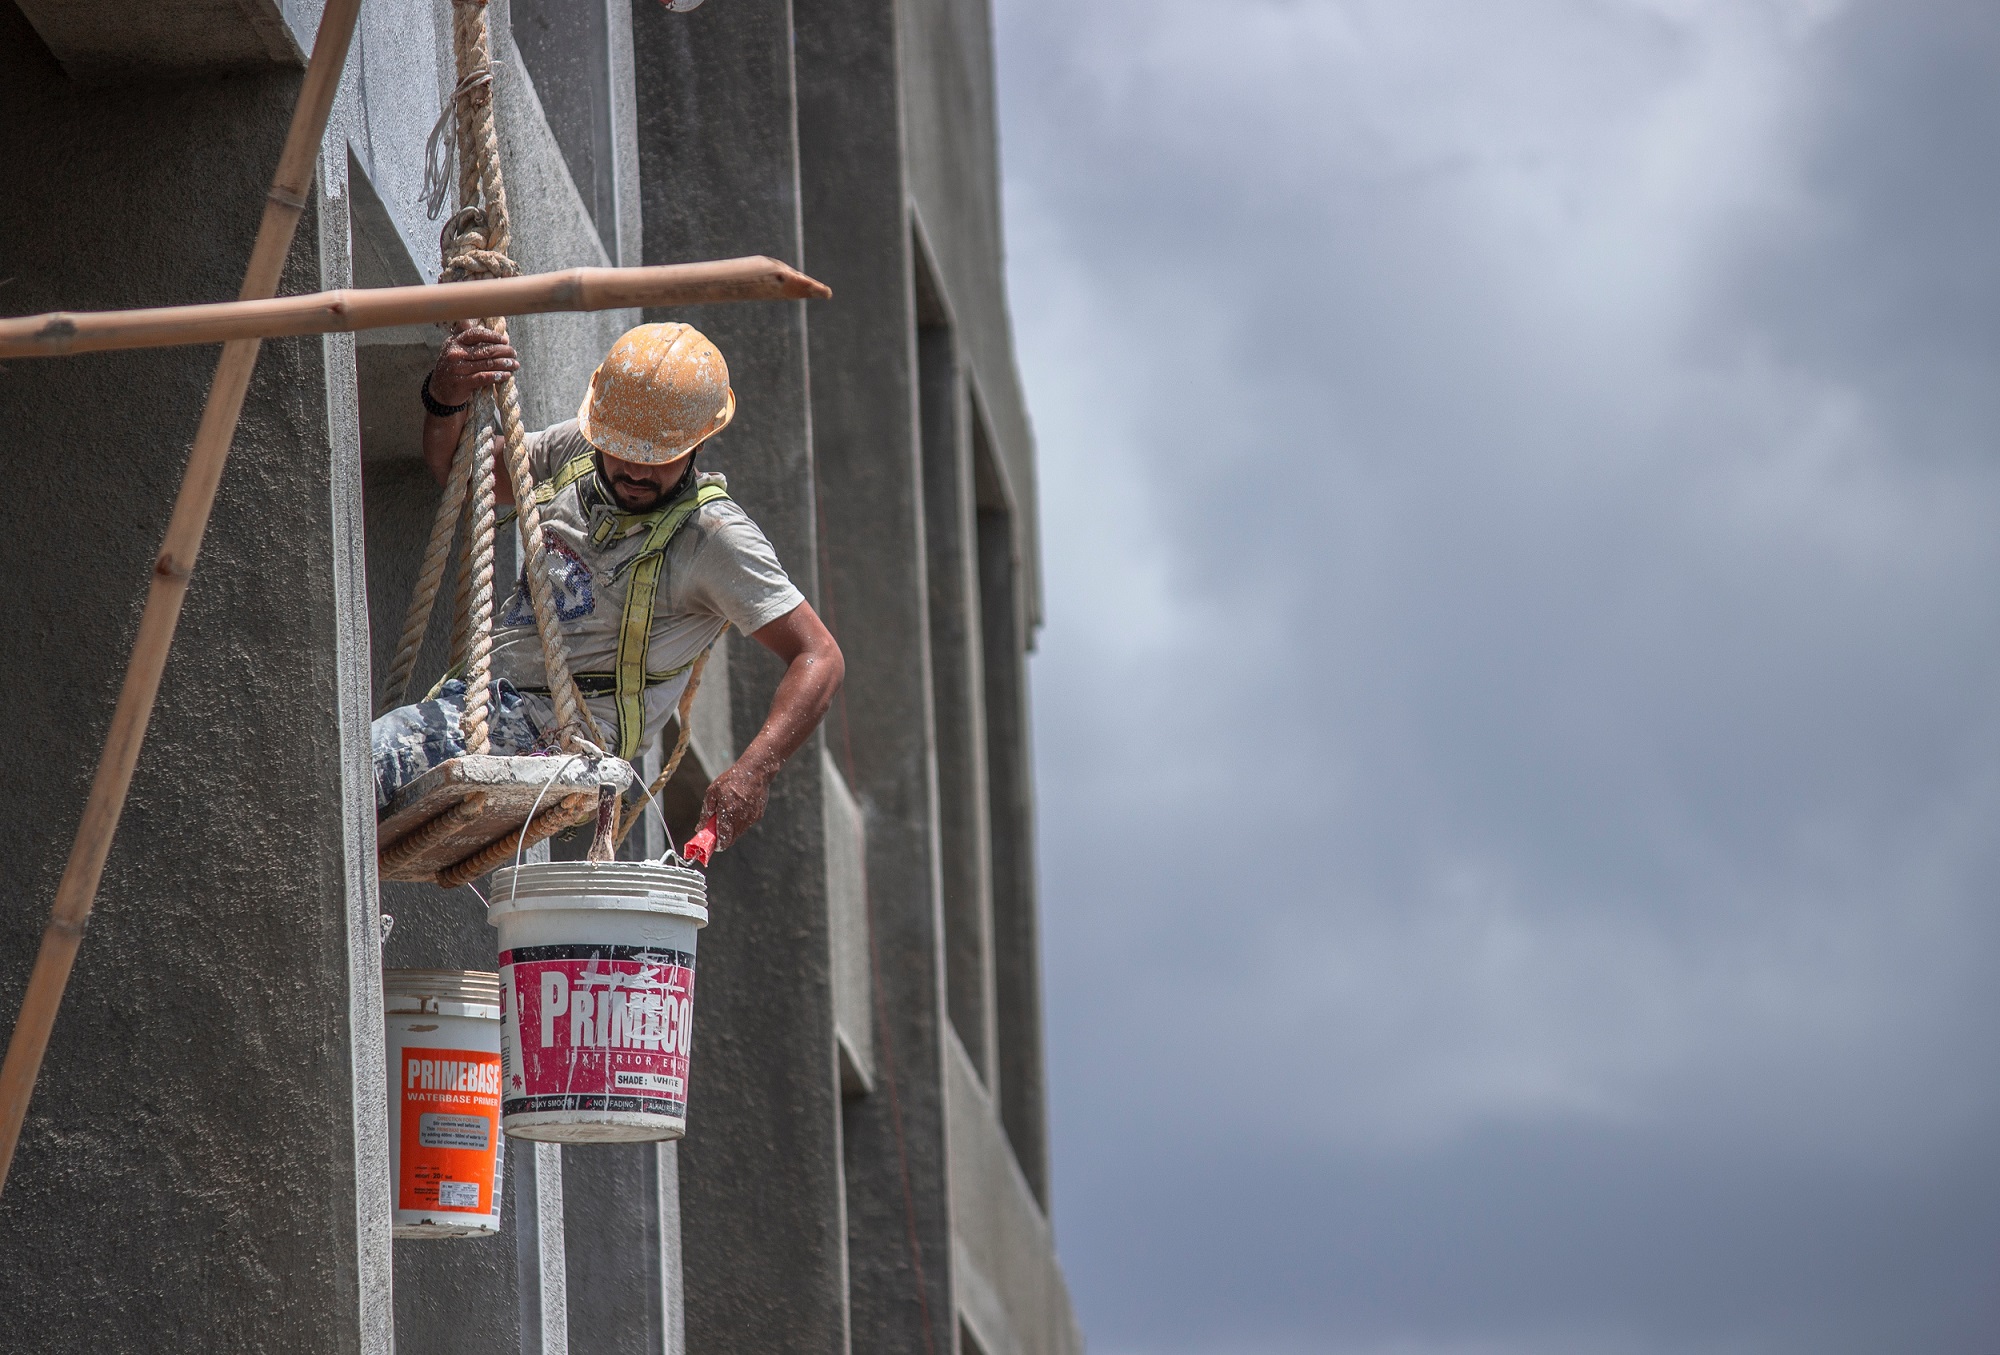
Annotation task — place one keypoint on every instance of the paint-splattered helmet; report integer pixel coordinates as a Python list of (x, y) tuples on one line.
[(660, 392)]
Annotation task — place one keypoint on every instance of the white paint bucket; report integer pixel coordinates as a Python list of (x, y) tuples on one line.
[(597, 997), (445, 1151)]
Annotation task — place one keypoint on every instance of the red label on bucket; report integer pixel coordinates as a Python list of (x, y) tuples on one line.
[(451, 1130), (596, 1028)]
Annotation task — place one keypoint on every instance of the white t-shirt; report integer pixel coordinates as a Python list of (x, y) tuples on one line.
[(720, 568)]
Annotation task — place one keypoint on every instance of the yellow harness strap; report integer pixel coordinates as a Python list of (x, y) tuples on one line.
[(566, 475), (635, 630), (635, 627)]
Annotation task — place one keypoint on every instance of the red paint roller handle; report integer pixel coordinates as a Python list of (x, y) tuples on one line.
[(702, 845)]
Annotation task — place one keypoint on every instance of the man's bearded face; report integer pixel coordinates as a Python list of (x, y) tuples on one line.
[(640, 487)]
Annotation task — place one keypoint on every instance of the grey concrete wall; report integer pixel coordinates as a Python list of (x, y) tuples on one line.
[(953, 153), (954, 188), (873, 585), (1010, 1290), (616, 1237), (565, 46), (398, 71), (189, 1160), (350, 701), (552, 229), (761, 1191)]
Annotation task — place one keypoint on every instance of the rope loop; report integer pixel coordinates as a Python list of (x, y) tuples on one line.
[(464, 230), (441, 149)]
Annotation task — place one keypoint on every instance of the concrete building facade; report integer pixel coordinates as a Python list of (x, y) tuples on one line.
[(205, 1163)]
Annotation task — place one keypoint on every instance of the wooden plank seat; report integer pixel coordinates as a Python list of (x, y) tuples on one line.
[(462, 818)]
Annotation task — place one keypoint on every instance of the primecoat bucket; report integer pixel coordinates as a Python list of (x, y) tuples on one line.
[(597, 997), (445, 1151)]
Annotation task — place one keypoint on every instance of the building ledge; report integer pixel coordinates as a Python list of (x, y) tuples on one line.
[(1007, 1283), (101, 41)]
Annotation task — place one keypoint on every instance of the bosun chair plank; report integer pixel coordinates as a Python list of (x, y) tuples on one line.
[(478, 802)]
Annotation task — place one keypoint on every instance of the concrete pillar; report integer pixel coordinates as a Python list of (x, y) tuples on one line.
[(673, 1293), (760, 1173), (622, 1247), (866, 446), (541, 1259), (193, 1161), (352, 697)]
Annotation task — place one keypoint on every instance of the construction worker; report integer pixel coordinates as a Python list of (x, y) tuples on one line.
[(650, 562)]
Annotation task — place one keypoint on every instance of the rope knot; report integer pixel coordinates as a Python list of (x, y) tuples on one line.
[(479, 263), (462, 247)]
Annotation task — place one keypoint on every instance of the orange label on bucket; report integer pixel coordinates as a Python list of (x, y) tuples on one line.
[(451, 1130)]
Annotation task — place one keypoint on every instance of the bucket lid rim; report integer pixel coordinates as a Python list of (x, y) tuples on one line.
[(570, 900), (624, 886), (477, 1010), (446, 985), (607, 870)]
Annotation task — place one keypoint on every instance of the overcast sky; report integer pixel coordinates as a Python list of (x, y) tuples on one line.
[(1519, 710)]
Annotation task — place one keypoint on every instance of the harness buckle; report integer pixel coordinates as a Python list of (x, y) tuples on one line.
[(604, 525)]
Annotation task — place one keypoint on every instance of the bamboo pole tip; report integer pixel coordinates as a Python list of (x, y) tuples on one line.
[(795, 285)]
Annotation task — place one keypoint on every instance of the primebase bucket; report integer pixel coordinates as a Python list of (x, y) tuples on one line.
[(445, 1151), (597, 997)]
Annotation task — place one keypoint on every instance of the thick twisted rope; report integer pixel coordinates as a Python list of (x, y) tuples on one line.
[(571, 714), (427, 835), (461, 607), (474, 723), (474, 245), (464, 252), (472, 47), (417, 622), (542, 827), (462, 248)]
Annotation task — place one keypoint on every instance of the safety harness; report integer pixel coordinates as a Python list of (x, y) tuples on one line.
[(628, 681)]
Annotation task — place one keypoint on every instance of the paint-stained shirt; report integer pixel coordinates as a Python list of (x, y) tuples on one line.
[(720, 570)]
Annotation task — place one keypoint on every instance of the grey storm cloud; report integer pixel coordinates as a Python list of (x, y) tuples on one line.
[(1518, 724)]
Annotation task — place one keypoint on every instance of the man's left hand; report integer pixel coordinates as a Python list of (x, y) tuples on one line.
[(736, 800)]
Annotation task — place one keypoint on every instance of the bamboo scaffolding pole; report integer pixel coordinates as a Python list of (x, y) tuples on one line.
[(283, 206), (575, 289)]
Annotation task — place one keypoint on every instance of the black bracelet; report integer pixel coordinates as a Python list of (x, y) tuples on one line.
[(436, 409)]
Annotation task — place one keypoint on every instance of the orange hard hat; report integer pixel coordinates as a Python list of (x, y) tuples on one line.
[(660, 392)]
